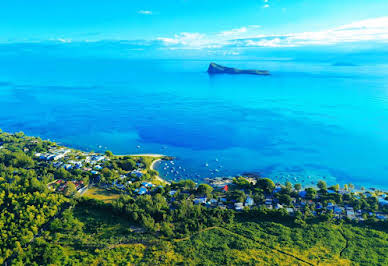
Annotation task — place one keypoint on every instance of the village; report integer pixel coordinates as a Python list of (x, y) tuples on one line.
[(138, 182)]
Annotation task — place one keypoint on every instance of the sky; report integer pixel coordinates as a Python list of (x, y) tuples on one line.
[(226, 26)]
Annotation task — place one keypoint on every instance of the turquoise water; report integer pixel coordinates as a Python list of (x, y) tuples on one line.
[(307, 121)]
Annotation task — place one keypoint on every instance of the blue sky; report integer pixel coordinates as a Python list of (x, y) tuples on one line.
[(211, 25)]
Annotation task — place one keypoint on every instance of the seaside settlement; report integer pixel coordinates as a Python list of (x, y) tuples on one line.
[(65, 206), (76, 172)]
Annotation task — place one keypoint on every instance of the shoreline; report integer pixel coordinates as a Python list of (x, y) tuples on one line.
[(158, 177)]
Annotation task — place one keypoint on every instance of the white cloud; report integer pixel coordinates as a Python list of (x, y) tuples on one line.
[(233, 32), (366, 30), (187, 40), (145, 12), (266, 6), (62, 40)]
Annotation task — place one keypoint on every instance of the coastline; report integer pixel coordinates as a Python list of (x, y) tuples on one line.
[(158, 177)]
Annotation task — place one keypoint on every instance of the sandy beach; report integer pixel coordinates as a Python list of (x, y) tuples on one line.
[(158, 177)]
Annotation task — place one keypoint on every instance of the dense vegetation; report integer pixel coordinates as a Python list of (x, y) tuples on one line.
[(41, 227)]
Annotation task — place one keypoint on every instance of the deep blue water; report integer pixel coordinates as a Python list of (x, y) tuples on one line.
[(307, 121)]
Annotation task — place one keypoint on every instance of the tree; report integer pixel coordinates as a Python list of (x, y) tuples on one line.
[(204, 189), (266, 184), (61, 173), (109, 153), (239, 195), (189, 184), (288, 187), (285, 199), (70, 189), (166, 229), (241, 181), (106, 172), (335, 187), (127, 164), (322, 185), (310, 193), (298, 187)]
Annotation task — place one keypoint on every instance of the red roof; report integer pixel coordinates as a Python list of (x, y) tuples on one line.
[(226, 188)]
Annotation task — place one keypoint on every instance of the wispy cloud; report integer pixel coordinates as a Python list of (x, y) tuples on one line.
[(233, 32), (145, 12), (63, 40), (366, 30), (187, 40)]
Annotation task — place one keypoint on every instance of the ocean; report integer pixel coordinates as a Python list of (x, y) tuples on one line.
[(305, 122)]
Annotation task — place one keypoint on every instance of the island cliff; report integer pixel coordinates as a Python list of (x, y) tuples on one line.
[(218, 69)]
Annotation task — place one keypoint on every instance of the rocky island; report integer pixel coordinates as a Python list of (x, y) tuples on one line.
[(218, 69)]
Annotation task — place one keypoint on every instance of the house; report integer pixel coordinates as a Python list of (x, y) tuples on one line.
[(249, 201), (68, 166), (338, 210), (290, 211), (221, 206), (78, 165), (268, 201), (137, 173), (82, 189), (213, 202), (119, 186), (147, 185), (383, 201), (98, 167), (57, 157), (238, 206), (94, 172), (141, 191), (302, 194), (172, 192), (350, 213), (223, 200), (278, 206), (277, 190), (200, 200), (57, 164), (98, 158)]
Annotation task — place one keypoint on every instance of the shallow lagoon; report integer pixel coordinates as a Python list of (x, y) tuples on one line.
[(307, 121)]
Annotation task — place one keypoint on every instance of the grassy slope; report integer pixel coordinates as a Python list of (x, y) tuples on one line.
[(101, 194), (106, 239)]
